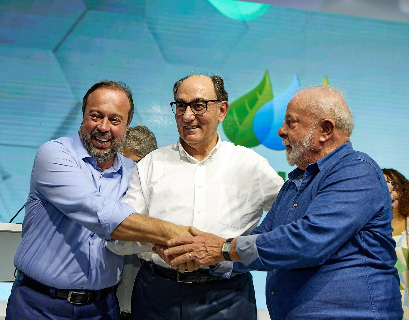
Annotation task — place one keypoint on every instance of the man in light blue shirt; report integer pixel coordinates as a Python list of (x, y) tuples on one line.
[(327, 241), (64, 268)]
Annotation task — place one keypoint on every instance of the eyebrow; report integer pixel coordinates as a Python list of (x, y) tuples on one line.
[(194, 100), (114, 115)]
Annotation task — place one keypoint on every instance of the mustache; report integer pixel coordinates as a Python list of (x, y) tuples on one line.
[(98, 132), (286, 141)]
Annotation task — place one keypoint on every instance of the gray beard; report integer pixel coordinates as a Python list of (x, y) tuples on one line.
[(95, 153), (299, 151)]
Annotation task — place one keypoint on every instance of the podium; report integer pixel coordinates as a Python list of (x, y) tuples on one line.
[(10, 237)]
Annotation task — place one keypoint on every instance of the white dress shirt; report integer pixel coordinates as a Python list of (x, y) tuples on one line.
[(224, 194)]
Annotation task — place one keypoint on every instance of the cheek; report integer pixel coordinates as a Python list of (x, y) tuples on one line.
[(88, 127), (118, 132)]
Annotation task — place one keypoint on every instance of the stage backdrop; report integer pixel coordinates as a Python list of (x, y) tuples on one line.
[(52, 51)]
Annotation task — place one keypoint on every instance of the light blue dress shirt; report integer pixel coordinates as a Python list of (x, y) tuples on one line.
[(71, 209)]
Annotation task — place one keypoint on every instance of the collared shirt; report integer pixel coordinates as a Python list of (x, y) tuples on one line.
[(224, 194), (327, 243), (71, 209)]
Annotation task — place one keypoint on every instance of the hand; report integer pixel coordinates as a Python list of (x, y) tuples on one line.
[(188, 266), (394, 196), (204, 248)]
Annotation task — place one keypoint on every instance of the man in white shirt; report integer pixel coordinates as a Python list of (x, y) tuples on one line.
[(207, 183)]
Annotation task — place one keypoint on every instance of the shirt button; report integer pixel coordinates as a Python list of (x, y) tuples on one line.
[(295, 205), (92, 268), (199, 186), (272, 292)]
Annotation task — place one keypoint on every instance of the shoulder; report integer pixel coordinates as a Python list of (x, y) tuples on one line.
[(236, 150), (53, 147)]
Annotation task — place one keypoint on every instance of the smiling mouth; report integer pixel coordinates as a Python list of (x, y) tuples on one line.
[(191, 127), (102, 142)]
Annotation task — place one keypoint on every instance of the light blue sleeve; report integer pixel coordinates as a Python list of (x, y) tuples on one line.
[(66, 182)]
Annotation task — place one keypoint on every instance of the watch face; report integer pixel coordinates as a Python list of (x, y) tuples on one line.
[(226, 247)]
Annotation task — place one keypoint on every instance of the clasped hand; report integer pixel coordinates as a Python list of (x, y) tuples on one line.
[(189, 253)]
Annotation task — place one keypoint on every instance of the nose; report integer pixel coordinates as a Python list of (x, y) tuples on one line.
[(282, 132), (188, 115), (104, 125)]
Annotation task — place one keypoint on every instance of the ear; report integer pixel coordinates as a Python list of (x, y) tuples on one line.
[(223, 108), (327, 127)]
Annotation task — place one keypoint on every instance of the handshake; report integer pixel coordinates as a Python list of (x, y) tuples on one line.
[(190, 252)]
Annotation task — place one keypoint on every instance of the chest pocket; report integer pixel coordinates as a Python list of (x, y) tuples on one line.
[(234, 208)]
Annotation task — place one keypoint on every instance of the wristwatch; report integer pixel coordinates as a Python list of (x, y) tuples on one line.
[(226, 247)]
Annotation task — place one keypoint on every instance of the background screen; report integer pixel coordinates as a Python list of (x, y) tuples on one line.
[(51, 52)]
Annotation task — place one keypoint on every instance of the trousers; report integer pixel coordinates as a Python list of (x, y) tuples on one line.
[(155, 297), (25, 303)]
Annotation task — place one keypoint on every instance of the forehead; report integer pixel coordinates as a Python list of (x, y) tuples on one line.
[(295, 108), (196, 87), (108, 100)]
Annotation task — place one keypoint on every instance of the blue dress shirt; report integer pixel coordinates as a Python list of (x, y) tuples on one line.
[(71, 209), (327, 243)]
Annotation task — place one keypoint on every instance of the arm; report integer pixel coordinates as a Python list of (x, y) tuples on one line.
[(355, 197), (66, 182), (137, 227)]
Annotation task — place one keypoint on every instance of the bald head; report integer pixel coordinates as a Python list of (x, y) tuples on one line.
[(317, 121), (217, 82), (327, 102)]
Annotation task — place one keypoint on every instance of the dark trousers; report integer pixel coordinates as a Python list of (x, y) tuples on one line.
[(155, 297), (25, 303)]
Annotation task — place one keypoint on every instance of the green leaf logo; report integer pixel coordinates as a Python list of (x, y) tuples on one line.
[(238, 125)]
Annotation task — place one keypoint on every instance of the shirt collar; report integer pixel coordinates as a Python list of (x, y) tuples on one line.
[(83, 154), (210, 157)]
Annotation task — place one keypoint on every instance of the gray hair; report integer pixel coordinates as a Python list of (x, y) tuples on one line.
[(218, 84), (331, 105), (140, 140)]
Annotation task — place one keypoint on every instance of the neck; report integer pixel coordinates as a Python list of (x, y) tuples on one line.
[(106, 164), (200, 152)]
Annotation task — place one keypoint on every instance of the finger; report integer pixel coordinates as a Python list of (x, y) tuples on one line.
[(182, 267), (192, 265), (179, 241), (182, 259), (195, 232), (178, 250)]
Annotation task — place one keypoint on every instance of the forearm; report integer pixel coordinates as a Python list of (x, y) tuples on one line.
[(137, 227)]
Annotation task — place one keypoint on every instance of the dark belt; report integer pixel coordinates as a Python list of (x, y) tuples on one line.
[(76, 297), (198, 276)]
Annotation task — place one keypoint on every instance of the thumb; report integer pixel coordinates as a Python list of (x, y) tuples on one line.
[(195, 232)]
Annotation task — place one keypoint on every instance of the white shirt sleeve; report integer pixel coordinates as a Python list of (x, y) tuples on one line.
[(124, 248)]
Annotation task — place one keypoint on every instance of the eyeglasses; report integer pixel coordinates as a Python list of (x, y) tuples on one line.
[(391, 182), (197, 107)]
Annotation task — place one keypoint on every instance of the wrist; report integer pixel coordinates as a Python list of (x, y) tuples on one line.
[(226, 249)]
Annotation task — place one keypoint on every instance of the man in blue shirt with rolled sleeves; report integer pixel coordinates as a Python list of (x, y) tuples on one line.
[(64, 269), (327, 241)]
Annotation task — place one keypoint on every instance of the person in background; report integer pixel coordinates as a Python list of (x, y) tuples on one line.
[(65, 270), (208, 183), (400, 232), (138, 143), (327, 241)]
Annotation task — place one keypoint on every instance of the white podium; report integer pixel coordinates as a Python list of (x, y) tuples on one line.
[(10, 237)]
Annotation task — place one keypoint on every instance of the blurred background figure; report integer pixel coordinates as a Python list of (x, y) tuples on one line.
[(400, 231), (138, 143)]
